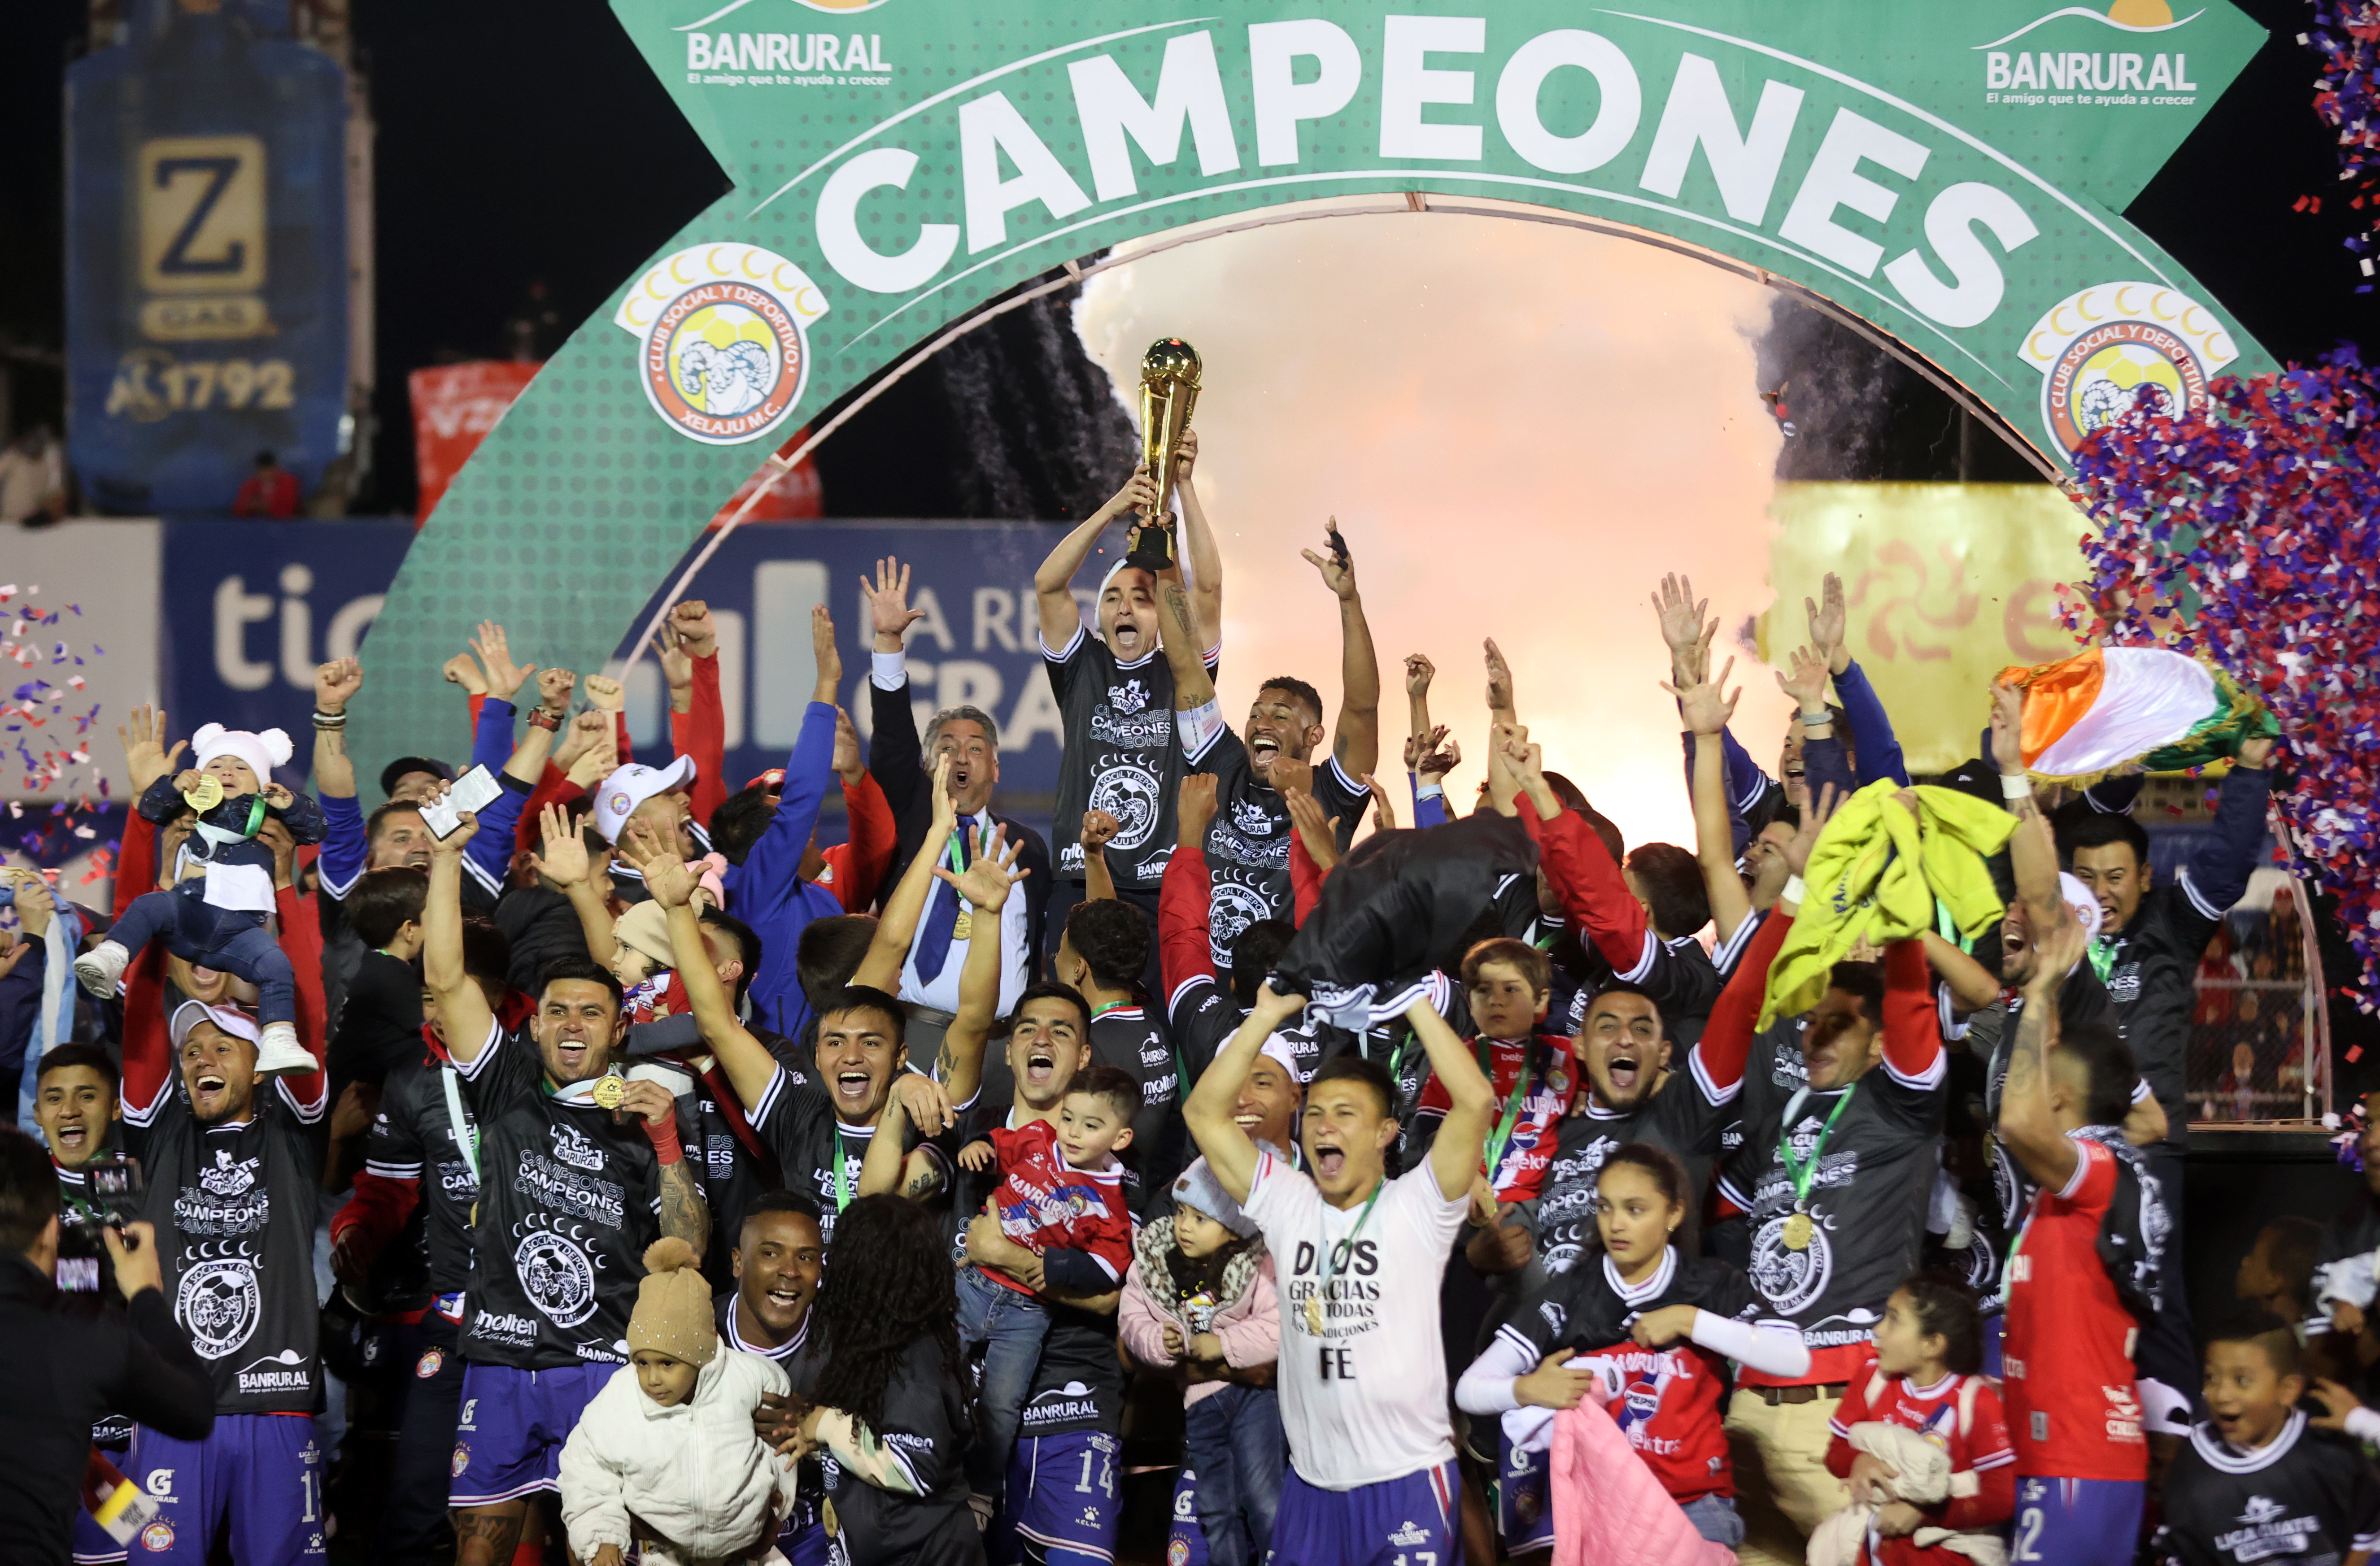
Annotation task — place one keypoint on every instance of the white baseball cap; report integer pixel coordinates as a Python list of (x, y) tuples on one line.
[(239, 1024), (2083, 901), (618, 798)]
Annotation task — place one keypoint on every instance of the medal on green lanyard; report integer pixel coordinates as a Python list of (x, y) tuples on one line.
[(1503, 1133), (2103, 956), (842, 1172), (954, 855), (1804, 1172), (1314, 1301)]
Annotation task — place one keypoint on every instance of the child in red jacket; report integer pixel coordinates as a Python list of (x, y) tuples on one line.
[(1061, 1196), (1922, 1385)]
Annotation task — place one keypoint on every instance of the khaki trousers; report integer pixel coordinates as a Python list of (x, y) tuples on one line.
[(1782, 1488)]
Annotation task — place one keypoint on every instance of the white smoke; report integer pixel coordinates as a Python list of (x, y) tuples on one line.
[(1519, 428)]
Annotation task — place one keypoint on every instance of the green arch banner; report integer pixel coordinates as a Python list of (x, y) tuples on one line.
[(1952, 176)]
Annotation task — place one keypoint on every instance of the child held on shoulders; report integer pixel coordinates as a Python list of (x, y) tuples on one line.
[(664, 1460), (1921, 1437), (1061, 1196), (1200, 1294), (220, 921)]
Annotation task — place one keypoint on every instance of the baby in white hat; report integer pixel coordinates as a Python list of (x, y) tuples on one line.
[(220, 921)]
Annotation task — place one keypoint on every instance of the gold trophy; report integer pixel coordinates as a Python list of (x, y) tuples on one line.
[(1168, 392)]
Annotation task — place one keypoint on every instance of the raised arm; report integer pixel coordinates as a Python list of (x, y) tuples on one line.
[(336, 685), (1872, 735), (2027, 1127), (2216, 875), (1355, 739), (1199, 547), (697, 712), (897, 926), (1471, 1100), (1594, 892), (2032, 854), (460, 1002), (1054, 590), (893, 750), (565, 863), (1177, 626), (1707, 713), (1186, 947), (1209, 1110), (989, 881), (745, 1060), (774, 861), (1099, 881)]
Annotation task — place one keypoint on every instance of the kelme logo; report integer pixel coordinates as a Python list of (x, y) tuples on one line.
[(2117, 347), (724, 346)]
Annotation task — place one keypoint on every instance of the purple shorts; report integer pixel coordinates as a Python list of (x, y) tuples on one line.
[(1064, 1500), (508, 1437), (2075, 1521), (263, 1472), (1411, 1519)]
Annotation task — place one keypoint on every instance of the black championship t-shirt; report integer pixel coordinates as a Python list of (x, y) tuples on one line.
[(818, 1154), (233, 1206), (1681, 1117), (2307, 1498), (925, 1432), (1247, 843), (1120, 756), (569, 1202), (1868, 1195), (416, 1137)]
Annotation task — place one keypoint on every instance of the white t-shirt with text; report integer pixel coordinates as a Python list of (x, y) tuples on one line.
[(1366, 1402)]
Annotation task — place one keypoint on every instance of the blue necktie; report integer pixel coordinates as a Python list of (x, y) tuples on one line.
[(941, 913)]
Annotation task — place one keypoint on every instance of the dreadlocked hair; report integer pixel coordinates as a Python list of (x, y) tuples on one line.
[(889, 1284)]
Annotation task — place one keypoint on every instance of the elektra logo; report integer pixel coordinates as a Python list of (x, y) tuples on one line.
[(725, 346)]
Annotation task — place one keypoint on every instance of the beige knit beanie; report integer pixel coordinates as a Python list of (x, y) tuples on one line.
[(673, 1315)]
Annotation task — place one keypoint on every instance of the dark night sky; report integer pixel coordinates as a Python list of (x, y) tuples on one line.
[(527, 140)]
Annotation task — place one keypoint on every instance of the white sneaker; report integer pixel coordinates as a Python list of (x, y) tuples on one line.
[(101, 968), (280, 1054)]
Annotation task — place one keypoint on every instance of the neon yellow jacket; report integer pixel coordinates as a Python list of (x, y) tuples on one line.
[(1874, 877)]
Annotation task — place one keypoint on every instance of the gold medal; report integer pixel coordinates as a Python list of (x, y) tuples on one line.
[(207, 795), (609, 1092), (1313, 1315), (964, 926), (1798, 1230)]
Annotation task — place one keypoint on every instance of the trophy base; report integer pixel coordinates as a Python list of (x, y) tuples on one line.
[(1152, 550)]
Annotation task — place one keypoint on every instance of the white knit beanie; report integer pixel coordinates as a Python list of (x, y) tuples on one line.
[(261, 752)]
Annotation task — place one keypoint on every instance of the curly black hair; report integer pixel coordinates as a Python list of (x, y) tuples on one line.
[(889, 1284)]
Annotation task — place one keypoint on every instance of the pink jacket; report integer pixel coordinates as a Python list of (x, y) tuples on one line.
[(1248, 1323), (1608, 1509)]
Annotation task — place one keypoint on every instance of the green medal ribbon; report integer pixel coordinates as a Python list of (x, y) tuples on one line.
[(1325, 1249), (842, 1182), (1512, 1105), (1804, 1172), (2103, 956)]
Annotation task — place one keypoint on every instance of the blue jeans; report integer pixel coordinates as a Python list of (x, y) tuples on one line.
[(1009, 1328), (1713, 1517), (231, 940), (1232, 1439)]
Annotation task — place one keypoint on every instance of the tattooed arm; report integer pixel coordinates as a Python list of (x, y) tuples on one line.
[(2028, 1124), (1177, 625), (685, 1215)]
